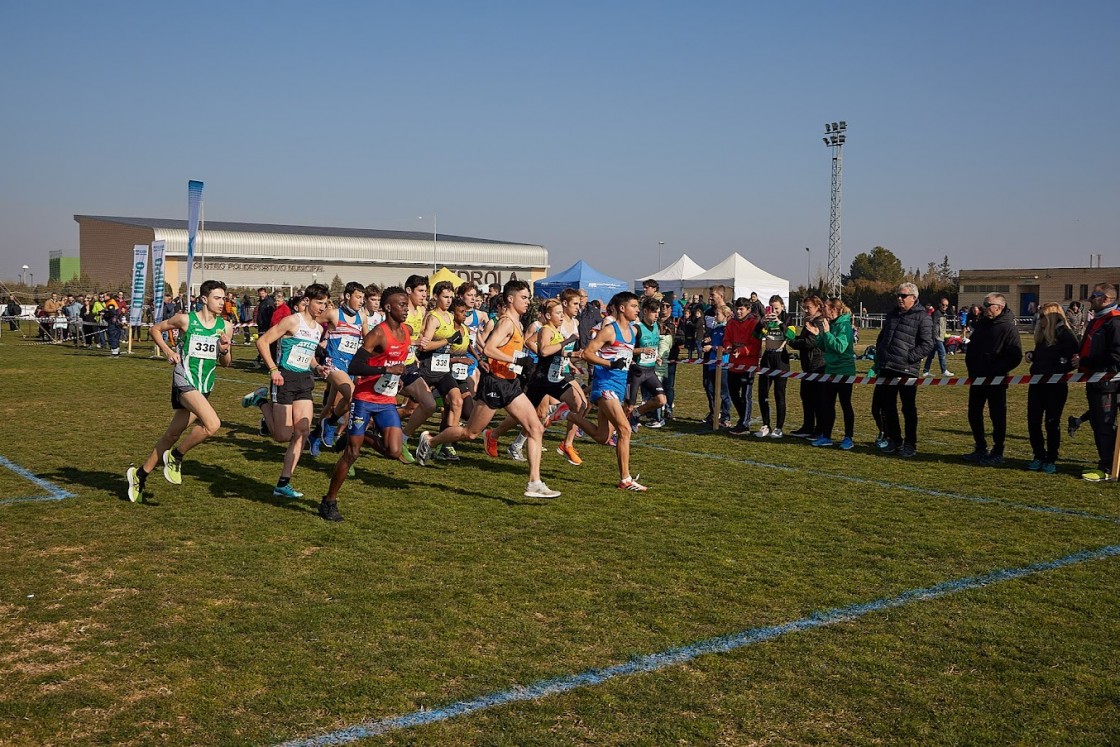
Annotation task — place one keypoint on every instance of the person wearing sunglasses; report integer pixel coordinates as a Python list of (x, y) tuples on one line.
[(904, 342), (1100, 351), (995, 350)]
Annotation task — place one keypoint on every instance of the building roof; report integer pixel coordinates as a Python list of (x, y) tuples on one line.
[(357, 233)]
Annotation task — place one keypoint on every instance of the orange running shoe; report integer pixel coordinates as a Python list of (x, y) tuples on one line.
[(569, 453), (491, 442)]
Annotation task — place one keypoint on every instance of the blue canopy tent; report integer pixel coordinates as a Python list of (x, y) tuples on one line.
[(580, 276)]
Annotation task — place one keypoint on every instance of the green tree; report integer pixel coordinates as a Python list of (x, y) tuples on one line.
[(945, 271), (879, 265), (337, 286)]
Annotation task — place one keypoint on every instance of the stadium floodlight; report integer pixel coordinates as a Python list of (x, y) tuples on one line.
[(836, 142)]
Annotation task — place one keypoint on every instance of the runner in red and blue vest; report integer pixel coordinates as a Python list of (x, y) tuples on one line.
[(378, 366)]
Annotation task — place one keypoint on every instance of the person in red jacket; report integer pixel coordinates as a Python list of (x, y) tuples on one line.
[(744, 348)]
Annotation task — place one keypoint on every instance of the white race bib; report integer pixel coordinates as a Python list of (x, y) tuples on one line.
[(441, 362), (387, 384), (299, 358), (648, 358), (556, 370), (203, 348), (459, 371), (349, 345)]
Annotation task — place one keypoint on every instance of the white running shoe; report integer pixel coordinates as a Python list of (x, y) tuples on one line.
[(134, 493), (632, 484), (947, 374), (515, 454), (424, 449), (762, 432), (539, 490), (926, 375), (776, 433)]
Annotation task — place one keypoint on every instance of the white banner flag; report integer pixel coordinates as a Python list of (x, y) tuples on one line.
[(139, 277), (158, 249)]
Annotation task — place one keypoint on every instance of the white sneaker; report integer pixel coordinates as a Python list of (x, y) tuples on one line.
[(926, 375), (776, 433), (762, 432), (947, 373), (515, 454), (632, 484), (539, 490)]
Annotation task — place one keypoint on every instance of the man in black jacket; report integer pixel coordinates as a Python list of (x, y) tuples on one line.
[(1100, 351), (904, 342), (994, 350), (266, 307)]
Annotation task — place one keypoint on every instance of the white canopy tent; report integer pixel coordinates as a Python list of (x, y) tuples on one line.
[(673, 278), (744, 276)]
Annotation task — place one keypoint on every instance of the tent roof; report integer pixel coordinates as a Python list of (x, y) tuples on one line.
[(444, 274), (738, 267), (580, 272), (683, 269)]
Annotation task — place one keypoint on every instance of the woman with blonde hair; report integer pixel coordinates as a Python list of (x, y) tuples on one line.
[(1055, 347)]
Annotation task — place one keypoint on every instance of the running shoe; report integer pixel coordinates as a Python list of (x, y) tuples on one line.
[(946, 374), (847, 443), (515, 453), (263, 429), (762, 432), (725, 422), (739, 430), (613, 441), (1049, 468), (255, 398), (631, 483), (821, 442), (776, 433), (926, 374), (406, 455), (1072, 424), (635, 421), (491, 442), (801, 433), (992, 460), (447, 453), (172, 468), (1034, 465), (1094, 475), (655, 424), (316, 445), (286, 492), (329, 432), (556, 415), (424, 449), (569, 453), (976, 455), (539, 490), (329, 510), (135, 489), (909, 450), (350, 472)]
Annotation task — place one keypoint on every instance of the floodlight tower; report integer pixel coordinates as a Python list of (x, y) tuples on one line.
[(834, 138)]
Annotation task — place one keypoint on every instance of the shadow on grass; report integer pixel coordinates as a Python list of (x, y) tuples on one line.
[(111, 482), (225, 483)]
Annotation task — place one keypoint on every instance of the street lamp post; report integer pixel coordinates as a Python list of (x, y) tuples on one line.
[(835, 134), (809, 270), (660, 245), (23, 272)]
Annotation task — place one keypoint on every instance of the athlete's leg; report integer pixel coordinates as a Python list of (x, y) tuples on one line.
[(301, 411), (207, 424), (342, 466), (180, 421), (522, 410), (611, 411), (419, 393)]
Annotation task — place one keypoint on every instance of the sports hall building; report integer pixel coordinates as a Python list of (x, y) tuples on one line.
[(1024, 286), (251, 255)]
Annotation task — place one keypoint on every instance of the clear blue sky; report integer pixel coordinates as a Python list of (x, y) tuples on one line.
[(986, 131)]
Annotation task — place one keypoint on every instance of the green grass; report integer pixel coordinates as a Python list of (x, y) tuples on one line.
[(215, 614)]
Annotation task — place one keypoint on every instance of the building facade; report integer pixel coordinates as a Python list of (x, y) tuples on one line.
[(64, 269), (1022, 287), (252, 255)]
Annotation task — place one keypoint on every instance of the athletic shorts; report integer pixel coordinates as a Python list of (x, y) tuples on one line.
[(410, 375), (540, 388), (645, 380), (444, 382), (341, 364), (297, 385), (179, 384), (383, 415), (614, 387), (497, 393)]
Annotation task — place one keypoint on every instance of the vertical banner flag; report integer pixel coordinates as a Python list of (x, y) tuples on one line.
[(139, 276), (194, 206), (158, 248)]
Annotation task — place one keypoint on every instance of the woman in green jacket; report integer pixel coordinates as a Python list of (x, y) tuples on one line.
[(837, 340)]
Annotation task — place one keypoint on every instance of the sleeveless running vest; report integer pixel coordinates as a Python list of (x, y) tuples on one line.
[(415, 323), (198, 352), (344, 338), (553, 368), (297, 352), (516, 344), (618, 349), (382, 389), (647, 337)]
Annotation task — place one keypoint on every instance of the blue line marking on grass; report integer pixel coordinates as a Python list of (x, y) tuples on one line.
[(896, 486), (682, 654), (54, 493)]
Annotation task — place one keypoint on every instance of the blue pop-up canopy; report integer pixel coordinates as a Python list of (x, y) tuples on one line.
[(580, 276)]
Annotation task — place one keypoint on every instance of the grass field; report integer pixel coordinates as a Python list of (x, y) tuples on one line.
[(216, 614)]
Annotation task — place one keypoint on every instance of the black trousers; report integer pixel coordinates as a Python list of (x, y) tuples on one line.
[(996, 399), (826, 415), (885, 401), (741, 388), (811, 393), (1102, 416), (1045, 403)]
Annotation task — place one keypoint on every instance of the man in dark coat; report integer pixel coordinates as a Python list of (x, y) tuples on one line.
[(904, 342), (995, 350), (1100, 351), (266, 306)]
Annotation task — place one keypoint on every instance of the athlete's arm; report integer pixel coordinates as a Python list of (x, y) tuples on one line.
[(288, 324), (225, 346), (591, 352), (426, 343), (550, 349), (179, 322)]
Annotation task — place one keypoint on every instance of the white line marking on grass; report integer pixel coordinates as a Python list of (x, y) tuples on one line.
[(680, 655), (54, 493), (892, 485)]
